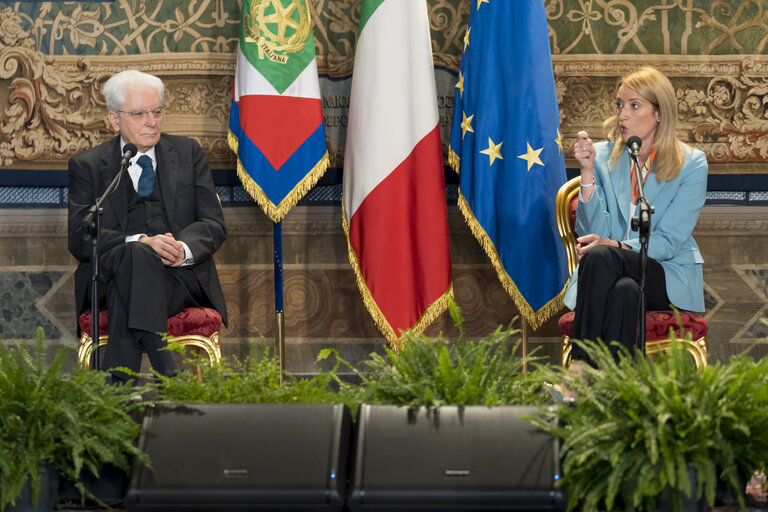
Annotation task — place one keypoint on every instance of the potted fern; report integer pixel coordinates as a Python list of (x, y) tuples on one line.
[(433, 372), (52, 422), (640, 429), (256, 378)]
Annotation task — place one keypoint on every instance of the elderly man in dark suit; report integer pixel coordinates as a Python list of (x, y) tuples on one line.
[(159, 229)]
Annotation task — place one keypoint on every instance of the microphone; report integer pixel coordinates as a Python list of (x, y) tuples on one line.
[(634, 143), (129, 151), (90, 221)]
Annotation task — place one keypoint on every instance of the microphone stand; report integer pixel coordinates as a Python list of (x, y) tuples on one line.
[(642, 223), (91, 225)]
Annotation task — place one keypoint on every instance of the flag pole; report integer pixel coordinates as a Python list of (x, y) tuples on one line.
[(525, 345), (277, 242)]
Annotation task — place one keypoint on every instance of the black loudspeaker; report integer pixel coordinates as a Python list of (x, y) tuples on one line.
[(453, 458), (243, 457)]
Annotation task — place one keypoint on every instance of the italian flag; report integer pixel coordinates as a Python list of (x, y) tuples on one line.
[(276, 123), (395, 212)]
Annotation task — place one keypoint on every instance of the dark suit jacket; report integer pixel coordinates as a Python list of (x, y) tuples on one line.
[(189, 197)]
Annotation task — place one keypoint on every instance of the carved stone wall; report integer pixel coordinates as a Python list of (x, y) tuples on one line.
[(54, 56), (322, 304)]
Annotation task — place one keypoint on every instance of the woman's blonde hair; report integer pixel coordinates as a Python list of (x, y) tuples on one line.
[(652, 85)]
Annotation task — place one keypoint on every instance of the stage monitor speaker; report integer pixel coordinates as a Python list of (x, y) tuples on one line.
[(453, 458), (243, 457)]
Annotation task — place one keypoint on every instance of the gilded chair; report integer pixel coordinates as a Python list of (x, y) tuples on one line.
[(194, 327), (657, 323)]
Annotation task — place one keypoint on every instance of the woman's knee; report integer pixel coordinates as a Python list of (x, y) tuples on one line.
[(598, 257), (624, 289)]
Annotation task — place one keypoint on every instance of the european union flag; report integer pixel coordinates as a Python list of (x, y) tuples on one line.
[(507, 148)]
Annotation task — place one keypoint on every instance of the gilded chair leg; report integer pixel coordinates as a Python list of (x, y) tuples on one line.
[(196, 368), (566, 347), (697, 349), (85, 350)]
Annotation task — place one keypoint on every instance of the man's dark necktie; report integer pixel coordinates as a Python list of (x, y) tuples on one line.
[(147, 178)]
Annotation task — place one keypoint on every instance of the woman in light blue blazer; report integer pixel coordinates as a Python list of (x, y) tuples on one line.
[(604, 290)]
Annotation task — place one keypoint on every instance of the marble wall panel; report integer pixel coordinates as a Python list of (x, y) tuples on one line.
[(323, 307), (325, 303)]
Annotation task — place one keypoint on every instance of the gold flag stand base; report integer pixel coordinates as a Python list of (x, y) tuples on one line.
[(280, 343)]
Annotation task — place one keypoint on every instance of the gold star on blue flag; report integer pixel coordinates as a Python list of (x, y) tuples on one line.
[(508, 85), (532, 156)]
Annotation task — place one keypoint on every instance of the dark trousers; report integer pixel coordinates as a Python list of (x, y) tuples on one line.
[(608, 293), (141, 294)]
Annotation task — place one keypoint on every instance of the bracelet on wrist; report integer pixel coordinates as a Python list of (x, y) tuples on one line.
[(587, 185)]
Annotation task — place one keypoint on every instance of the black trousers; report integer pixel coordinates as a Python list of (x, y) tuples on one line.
[(141, 294), (608, 293)]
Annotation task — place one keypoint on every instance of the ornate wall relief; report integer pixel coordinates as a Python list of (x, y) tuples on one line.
[(49, 111), (54, 56), (721, 104)]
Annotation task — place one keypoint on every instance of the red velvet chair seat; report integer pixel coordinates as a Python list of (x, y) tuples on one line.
[(199, 321), (657, 325)]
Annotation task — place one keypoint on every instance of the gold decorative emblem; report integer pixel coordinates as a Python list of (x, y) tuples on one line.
[(278, 27)]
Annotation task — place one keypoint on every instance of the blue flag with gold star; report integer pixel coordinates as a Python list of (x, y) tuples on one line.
[(506, 147)]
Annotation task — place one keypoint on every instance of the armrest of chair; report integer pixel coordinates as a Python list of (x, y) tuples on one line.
[(566, 196)]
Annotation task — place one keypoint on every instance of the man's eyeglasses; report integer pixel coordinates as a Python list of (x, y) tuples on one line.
[(140, 115)]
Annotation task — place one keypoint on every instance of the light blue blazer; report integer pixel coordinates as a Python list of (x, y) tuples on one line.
[(677, 205)]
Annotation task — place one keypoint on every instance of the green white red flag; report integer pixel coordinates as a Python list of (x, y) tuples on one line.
[(395, 210)]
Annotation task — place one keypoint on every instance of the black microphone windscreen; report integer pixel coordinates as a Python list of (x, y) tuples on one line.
[(634, 140), (130, 147)]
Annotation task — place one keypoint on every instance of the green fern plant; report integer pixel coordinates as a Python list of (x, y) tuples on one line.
[(74, 422), (434, 372), (253, 379), (638, 425)]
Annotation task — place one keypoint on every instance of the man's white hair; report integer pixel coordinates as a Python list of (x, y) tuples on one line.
[(115, 87)]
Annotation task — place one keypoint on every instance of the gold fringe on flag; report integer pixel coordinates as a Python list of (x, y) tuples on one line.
[(534, 318), (430, 315), (453, 160), (277, 212)]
